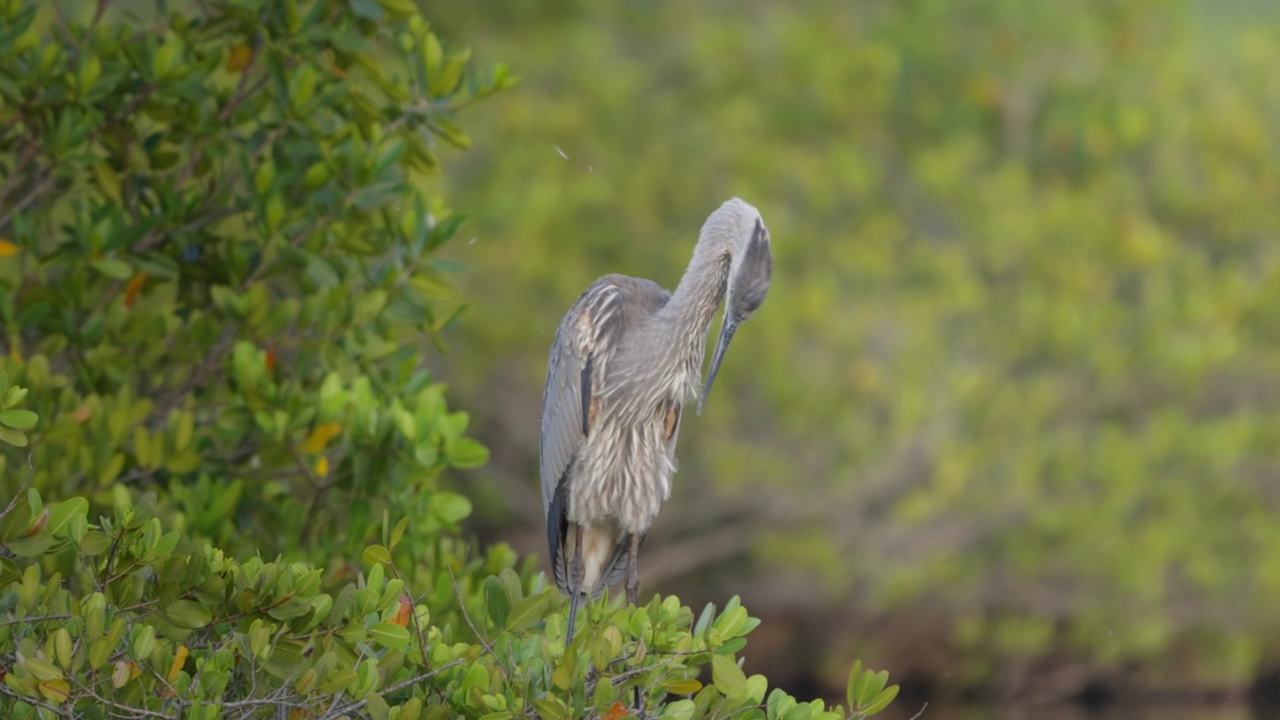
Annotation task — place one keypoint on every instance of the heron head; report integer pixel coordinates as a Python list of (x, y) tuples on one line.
[(750, 270)]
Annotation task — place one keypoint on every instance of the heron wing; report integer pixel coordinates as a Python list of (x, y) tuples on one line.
[(587, 337)]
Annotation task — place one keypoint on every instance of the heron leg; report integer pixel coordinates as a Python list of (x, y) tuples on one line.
[(633, 571), (577, 571), (633, 596)]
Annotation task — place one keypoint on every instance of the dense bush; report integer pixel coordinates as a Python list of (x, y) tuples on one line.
[(217, 282), (1017, 375), (221, 275), (136, 628)]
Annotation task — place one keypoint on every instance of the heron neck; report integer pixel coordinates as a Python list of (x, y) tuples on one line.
[(697, 297)]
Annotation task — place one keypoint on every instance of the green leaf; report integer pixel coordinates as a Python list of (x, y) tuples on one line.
[(881, 701), (42, 669), (95, 542), (9, 571), (497, 602), (851, 690), (376, 554), (13, 437), (779, 703), (729, 647), (390, 635), (398, 532), (551, 708), (528, 612), (680, 710), (869, 685), (338, 680), (115, 269), (468, 453), (55, 690), (61, 516), (377, 707), (188, 614), (14, 396), (450, 507), (727, 676), (144, 642), (33, 545), (18, 419), (683, 687)]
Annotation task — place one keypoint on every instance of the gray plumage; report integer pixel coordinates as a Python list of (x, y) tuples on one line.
[(626, 357)]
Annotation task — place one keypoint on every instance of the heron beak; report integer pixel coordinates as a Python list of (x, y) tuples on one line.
[(727, 329)]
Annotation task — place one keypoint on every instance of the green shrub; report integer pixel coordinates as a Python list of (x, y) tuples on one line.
[(126, 625), (220, 273)]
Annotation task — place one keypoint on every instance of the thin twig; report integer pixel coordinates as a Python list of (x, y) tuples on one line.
[(30, 197), (24, 620), (13, 503), (335, 711), (134, 711), (15, 173), (413, 617), (465, 616)]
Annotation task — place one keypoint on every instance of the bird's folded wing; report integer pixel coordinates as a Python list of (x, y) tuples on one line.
[(588, 334)]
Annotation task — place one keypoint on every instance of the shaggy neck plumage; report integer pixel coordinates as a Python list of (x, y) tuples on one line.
[(689, 312)]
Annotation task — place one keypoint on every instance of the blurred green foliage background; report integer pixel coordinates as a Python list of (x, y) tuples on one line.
[(1010, 417)]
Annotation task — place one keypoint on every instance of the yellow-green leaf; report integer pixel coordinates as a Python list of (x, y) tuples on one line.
[(55, 691), (18, 419), (683, 687), (376, 554), (60, 518), (188, 614), (42, 669), (390, 635), (727, 676)]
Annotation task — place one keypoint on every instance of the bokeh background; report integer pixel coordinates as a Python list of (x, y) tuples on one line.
[(1009, 422)]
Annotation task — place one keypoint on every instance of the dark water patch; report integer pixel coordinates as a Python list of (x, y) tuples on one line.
[(1264, 696), (1096, 696)]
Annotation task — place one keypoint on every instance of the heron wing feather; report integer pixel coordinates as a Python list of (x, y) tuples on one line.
[(587, 336)]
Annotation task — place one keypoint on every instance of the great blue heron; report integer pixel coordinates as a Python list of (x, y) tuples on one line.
[(626, 357)]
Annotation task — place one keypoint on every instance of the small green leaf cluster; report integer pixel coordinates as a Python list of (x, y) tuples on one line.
[(129, 625), (13, 421)]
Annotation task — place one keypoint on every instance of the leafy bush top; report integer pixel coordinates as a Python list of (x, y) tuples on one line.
[(135, 627)]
